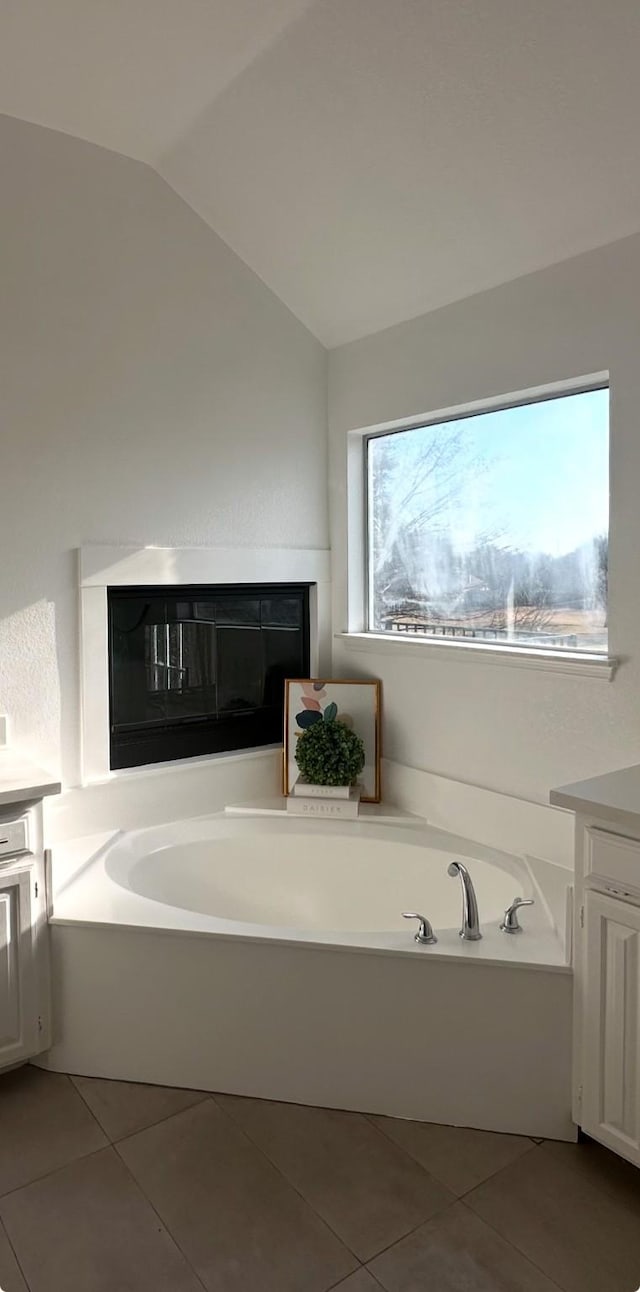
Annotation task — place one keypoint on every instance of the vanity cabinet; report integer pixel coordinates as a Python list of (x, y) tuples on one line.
[(24, 936), (25, 992), (610, 1023), (20, 1019), (606, 995)]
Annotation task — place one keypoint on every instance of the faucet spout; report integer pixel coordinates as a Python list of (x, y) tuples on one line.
[(470, 930)]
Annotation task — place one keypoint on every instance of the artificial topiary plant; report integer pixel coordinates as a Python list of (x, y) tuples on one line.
[(329, 753)]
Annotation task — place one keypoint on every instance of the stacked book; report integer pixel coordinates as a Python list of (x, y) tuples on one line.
[(337, 801)]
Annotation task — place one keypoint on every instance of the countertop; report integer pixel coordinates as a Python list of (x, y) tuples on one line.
[(21, 780), (612, 797)]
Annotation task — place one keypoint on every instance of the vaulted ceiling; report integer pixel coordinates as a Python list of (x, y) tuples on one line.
[(369, 159)]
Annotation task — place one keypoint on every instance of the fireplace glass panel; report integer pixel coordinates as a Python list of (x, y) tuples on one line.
[(137, 695), (241, 672), (283, 657), (197, 670), (239, 611), (282, 612)]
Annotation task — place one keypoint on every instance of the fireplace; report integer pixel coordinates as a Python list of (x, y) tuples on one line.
[(198, 669)]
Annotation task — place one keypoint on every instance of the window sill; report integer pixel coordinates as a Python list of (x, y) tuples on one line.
[(576, 663)]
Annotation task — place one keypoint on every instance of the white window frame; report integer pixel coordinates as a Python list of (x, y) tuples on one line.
[(359, 638)]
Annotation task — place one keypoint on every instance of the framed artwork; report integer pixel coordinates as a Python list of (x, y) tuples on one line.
[(356, 703)]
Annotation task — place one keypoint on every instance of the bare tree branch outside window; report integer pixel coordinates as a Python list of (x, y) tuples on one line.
[(494, 527)]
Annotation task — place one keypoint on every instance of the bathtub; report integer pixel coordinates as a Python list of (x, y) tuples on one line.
[(268, 956)]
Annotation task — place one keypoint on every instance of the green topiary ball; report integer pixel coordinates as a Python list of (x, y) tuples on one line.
[(328, 753)]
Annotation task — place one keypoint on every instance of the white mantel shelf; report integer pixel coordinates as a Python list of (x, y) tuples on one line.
[(21, 780), (612, 797)]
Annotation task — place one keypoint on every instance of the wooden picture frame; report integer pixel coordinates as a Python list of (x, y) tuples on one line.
[(357, 701)]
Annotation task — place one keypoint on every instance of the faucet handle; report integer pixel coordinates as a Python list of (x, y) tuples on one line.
[(425, 932), (510, 923)]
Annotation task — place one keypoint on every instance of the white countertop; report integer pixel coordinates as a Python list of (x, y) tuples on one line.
[(612, 797), (21, 780)]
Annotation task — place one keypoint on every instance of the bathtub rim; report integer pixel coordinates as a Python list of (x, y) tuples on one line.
[(89, 897)]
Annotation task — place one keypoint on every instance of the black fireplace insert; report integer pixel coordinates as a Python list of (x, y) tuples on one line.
[(200, 669)]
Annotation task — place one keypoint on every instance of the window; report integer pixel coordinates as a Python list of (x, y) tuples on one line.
[(493, 527)]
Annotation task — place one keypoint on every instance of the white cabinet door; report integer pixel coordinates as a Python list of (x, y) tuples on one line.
[(18, 1004), (611, 1025)]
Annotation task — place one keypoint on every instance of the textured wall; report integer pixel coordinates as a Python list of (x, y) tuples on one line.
[(153, 391), (508, 729)]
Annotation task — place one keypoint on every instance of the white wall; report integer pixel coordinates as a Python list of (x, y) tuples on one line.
[(153, 391), (507, 729)]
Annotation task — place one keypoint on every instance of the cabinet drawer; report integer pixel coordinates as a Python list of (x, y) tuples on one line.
[(613, 860), (14, 838)]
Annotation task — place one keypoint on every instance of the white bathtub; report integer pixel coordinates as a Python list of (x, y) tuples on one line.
[(218, 953)]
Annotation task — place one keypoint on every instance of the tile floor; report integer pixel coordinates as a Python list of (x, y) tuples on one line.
[(107, 1186)]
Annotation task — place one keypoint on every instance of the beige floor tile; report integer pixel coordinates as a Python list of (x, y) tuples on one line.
[(361, 1281), (87, 1228), (567, 1218), (460, 1158), (43, 1125), (456, 1252), (11, 1279), (124, 1107), (369, 1191), (233, 1215), (605, 1169)]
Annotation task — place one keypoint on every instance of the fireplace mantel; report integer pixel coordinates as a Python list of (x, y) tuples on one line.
[(102, 567)]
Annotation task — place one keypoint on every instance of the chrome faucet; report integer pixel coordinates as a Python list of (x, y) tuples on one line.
[(470, 930)]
